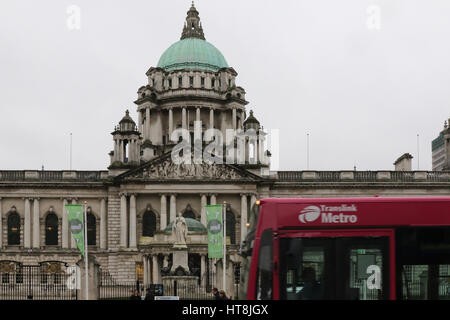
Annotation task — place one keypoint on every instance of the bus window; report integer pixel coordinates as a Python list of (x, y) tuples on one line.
[(344, 268), (423, 263), (264, 280)]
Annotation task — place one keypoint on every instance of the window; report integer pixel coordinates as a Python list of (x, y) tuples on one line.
[(14, 229), (191, 81), (170, 83), (91, 229), (148, 224), (213, 83), (309, 265), (203, 81), (264, 281), (423, 263), (180, 82), (51, 230), (231, 227)]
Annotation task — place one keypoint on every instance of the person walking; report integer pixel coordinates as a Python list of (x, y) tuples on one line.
[(215, 293), (149, 295), (222, 295), (135, 295)]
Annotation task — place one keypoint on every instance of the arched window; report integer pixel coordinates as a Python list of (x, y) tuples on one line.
[(14, 229), (231, 226), (91, 229), (51, 230), (148, 224)]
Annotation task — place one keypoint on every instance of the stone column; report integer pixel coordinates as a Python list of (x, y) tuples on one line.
[(253, 200), (140, 121), (213, 199), (155, 268), (173, 207), (121, 153), (123, 220), (234, 119), (73, 243), (163, 218), (211, 118), (102, 223), (183, 118), (36, 224), (65, 227), (203, 209), (243, 216), (197, 114), (147, 124), (1, 225), (145, 262), (203, 270), (27, 234), (132, 242), (170, 122)]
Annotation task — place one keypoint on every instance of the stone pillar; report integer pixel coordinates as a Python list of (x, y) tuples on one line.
[(65, 227), (234, 119), (163, 218), (132, 242), (36, 224), (170, 122), (140, 121), (243, 216), (213, 199), (1, 225), (145, 263), (203, 270), (203, 209), (197, 114), (123, 220), (27, 231), (102, 223), (253, 200), (183, 118), (73, 243), (121, 153), (147, 124), (155, 268), (211, 118), (173, 207)]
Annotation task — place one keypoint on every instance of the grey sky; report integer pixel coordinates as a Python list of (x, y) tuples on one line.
[(307, 66)]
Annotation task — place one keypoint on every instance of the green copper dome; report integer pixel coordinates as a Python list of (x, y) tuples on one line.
[(192, 53), (192, 224)]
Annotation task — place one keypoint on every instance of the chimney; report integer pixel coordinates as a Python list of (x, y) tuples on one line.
[(403, 163)]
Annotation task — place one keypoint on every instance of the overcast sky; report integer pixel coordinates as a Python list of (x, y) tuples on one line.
[(362, 93)]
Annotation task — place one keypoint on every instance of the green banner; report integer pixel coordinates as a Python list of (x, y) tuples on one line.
[(215, 231), (76, 225)]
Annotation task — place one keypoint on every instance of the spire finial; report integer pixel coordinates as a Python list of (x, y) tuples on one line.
[(192, 27)]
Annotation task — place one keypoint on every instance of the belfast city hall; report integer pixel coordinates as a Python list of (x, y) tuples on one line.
[(132, 204)]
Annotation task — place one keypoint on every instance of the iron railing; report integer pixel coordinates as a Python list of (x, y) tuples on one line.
[(33, 283)]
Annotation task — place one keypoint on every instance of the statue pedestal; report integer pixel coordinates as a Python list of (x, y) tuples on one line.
[(180, 259)]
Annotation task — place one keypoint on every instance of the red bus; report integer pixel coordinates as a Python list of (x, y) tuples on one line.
[(347, 249)]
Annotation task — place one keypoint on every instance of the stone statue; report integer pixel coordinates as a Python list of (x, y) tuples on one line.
[(180, 229)]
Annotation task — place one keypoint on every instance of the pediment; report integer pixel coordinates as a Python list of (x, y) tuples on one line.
[(164, 169)]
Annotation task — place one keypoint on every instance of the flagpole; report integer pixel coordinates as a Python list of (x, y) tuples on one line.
[(86, 252), (224, 267)]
